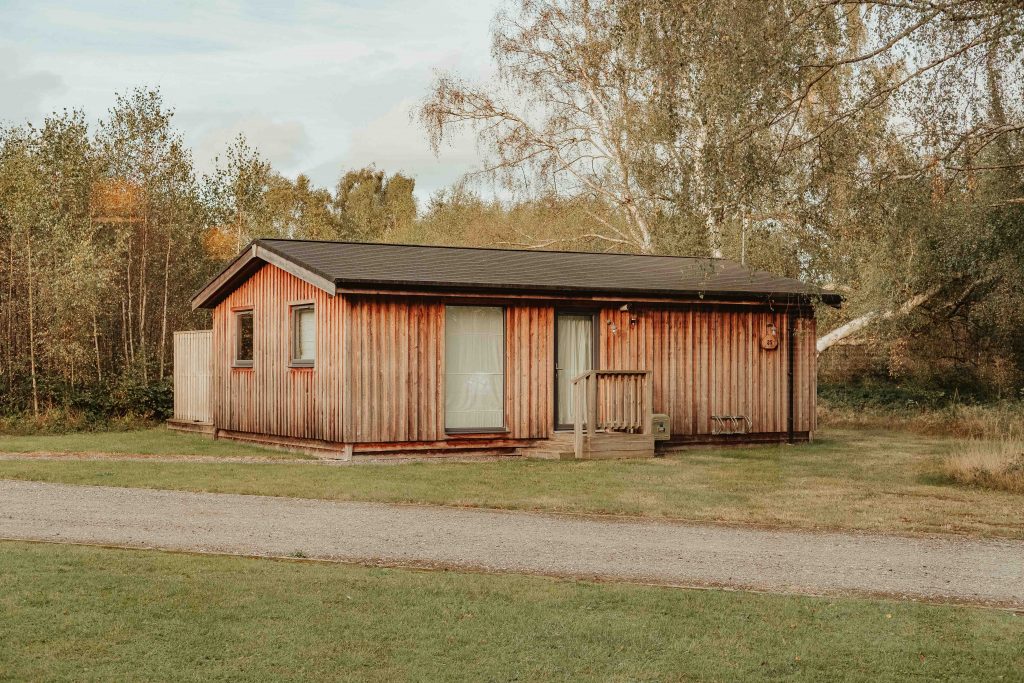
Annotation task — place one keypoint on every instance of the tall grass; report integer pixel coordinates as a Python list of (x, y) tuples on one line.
[(1001, 420), (989, 464)]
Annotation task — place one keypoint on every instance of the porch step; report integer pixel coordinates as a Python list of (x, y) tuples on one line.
[(613, 445), (559, 446), (201, 428), (547, 454)]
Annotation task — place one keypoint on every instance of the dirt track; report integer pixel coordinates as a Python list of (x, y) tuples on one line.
[(953, 569)]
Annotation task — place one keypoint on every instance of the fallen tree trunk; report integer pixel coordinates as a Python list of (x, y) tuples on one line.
[(857, 324)]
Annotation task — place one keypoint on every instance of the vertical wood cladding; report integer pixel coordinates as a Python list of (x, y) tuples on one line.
[(530, 371), (379, 372), (393, 371), (193, 375), (271, 397), (709, 361)]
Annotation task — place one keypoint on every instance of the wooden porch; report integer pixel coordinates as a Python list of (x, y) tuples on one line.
[(612, 418)]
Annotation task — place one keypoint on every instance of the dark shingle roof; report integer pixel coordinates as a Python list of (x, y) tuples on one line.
[(395, 265)]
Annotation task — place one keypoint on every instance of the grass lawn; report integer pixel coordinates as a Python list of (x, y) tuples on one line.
[(77, 613), (157, 441), (847, 479)]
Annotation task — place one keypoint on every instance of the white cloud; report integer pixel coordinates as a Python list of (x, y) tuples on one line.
[(316, 86), (23, 89), (283, 143), (396, 142)]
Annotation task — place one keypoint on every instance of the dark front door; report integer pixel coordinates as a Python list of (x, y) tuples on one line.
[(575, 353)]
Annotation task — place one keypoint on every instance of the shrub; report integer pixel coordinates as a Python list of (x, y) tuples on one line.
[(61, 420), (989, 464), (124, 402)]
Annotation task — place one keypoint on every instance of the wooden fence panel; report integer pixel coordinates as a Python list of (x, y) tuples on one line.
[(193, 376)]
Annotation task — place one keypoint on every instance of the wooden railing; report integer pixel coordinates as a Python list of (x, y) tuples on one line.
[(612, 401)]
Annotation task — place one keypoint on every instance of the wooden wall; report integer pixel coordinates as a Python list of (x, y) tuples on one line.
[(709, 361), (379, 372), (271, 397), (393, 371), (530, 371)]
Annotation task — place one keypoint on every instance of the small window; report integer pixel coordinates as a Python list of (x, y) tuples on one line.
[(243, 339), (303, 336)]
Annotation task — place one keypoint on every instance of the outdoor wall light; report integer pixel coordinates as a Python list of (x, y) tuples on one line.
[(613, 327)]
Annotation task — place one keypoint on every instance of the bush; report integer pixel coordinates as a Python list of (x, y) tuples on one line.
[(992, 465), (125, 402), (63, 421)]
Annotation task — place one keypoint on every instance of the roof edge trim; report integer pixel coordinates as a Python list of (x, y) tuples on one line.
[(239, 270)]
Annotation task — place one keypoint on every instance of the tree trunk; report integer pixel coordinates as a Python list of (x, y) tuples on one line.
[(857, 324), (130, 327), (96, 345), (163, 317), (32, 334), (714, 230), (10, 320), (143, 291)]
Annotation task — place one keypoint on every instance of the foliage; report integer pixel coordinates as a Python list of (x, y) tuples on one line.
[(924, 410), (106, 234), (374, 205), (875, 148), (868, 394), (124, 401), (60, 421)]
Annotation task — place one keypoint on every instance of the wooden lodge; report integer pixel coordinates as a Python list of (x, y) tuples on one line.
[(346, 349)]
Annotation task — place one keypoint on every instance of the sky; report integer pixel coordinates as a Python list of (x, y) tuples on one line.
[(318, 87)]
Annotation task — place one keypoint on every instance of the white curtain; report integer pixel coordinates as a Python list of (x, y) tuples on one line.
[(575, 356), (474, 362)]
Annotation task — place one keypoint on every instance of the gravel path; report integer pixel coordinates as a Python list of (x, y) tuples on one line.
[(949, 569)]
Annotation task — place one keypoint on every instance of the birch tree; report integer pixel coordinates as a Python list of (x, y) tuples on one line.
[(562, 116)]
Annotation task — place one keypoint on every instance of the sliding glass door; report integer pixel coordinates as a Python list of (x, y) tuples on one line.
[(575, 354)]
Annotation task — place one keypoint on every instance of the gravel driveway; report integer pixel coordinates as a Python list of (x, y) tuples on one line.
[(984, 571)]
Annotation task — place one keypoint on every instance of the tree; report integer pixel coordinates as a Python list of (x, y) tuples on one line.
[(373, 205), (804, 136), (247, 200), (144, 155)]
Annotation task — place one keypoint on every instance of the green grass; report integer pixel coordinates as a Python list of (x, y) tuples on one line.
[(156, 441), (77, 613), (880, 481)]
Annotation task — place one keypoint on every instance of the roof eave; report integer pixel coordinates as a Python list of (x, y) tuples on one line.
[(829, 298)]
